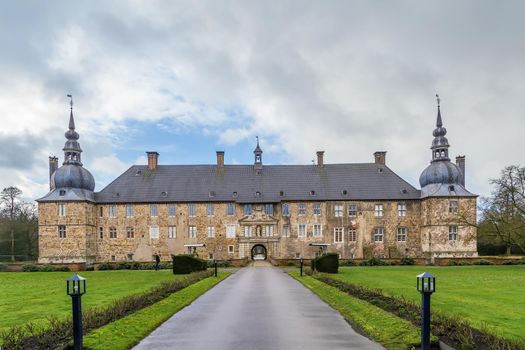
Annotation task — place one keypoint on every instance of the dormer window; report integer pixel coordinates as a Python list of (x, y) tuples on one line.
[(312, 193), (164, 194), (234, 194), (257, 194), (281, 193), (344, 192), (62, 193)]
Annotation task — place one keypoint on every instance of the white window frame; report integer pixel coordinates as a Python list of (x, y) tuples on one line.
[(62, 231), (231, 249), (402, 233), (248, 231), (317, 230), (268, 230), (286, 231), (230, 209), (301, 231), (453, 232), (130, 232), (230, 231), (62, 211), (129, 211), (172, 210), (285, 209), (210, 209), (268, 209), (154, 232), (378, 232), (301, 209), (192, 210), (402, 210), (352, 234), (172, 231), (338, 234), (352, 210), (153, 210), (100, 212), (453, 206), (112, 232), (338, 210), (378, 210), (112, 211), (317, 209), (192, 231), (248, 209), (210, 231)]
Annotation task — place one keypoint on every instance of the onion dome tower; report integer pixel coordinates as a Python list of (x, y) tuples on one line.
[(441, 177), (71, 181), (258, 156)]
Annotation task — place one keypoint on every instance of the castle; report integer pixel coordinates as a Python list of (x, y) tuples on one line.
[(256, 211)]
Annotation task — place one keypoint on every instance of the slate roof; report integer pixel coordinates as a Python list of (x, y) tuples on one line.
[(241, 183)]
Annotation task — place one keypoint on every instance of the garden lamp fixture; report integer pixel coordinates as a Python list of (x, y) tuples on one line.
[(426, 285), (75, 288)]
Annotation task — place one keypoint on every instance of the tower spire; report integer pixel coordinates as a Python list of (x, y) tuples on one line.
[(71, 120), (439, 123), (440, 143), (258, 155), (72, 148)]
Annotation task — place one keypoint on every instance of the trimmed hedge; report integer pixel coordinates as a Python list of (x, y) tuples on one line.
[(406, 260), (184, 264), (3, 267), (326, 263)]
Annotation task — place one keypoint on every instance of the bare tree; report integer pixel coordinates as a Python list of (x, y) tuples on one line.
[(505, 208), (9, 198)]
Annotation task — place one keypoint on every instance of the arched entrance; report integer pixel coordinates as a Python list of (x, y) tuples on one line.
[(259, 252)]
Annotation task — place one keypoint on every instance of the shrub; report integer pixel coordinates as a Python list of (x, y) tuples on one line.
[(458, 263), (3, 267), (348, 262), (374, 262), (123, 266), (482, 262), (46, 268), (406, 260), (511, 262), (104, 267), (30, 268), (184, 264), (63, 268), (326, 263)]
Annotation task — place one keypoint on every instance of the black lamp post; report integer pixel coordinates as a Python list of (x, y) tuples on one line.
[(215, 267), (426, 285), (76, 287), (302, 265)]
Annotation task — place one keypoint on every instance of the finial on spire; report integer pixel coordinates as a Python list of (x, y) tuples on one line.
[(71, 120), (439, 122), (438, 99), (70, 100), (257, 138)]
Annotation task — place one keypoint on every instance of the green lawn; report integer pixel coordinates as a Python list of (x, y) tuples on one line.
[(33, 296), (490, 297)]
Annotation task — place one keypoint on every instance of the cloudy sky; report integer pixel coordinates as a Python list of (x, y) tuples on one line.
[(189, 78)]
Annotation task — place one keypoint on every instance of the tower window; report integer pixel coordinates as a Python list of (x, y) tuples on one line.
[(113, 211), (61, 209), (62, 231), (453, 206)]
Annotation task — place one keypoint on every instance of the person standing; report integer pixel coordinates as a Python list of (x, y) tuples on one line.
[(157, 261)]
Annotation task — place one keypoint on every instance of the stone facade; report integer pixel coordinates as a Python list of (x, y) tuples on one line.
[(93, 236)]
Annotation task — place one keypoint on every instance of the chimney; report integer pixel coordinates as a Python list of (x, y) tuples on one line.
[(53, 166), (220, 159), (380, 157), (153, 160), (460, 162), (320, 158)]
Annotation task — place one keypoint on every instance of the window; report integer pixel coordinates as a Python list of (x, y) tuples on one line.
[(247, 209), (378, 234), (153, 210), (453, 206), (268, 230), (113, 258), (62, 193), (192, 231), (172, 210), (317, 208), (210, 256), (452, 233), (112, 211), (401, 234), (230, 231), (286, 230), (130, 257), (352, 210), (352, 235), (112, 232), (130, 232), (154, 232), (247, 231), (101, 232), (338, 235), (378, 210), (129, 211), (285, 209), (301, 232), (61, 209), (318, 230), (230, 209), (172, 231), (401, 209), (268, 209), (210, 210), (211, 231), (338, 210), (192, 210), (101, 212), (231, 249), (301, 209), (62, 231)]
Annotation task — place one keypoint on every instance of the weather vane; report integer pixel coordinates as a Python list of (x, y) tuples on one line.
[(438, 99), (257, 138), (71, 100)]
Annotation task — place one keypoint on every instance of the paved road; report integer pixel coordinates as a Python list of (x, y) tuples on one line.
[(257, 308)]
